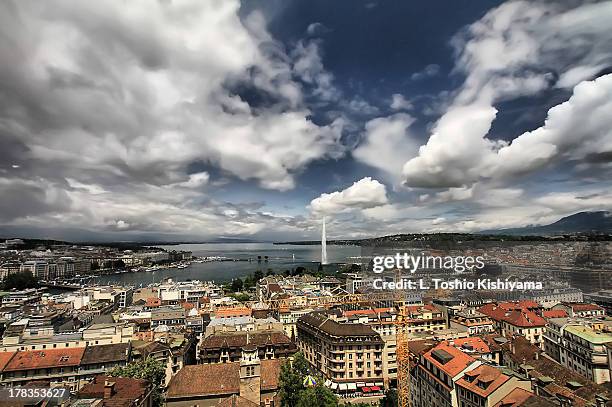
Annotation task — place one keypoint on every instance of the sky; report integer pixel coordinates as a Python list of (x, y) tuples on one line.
[(208, 119)]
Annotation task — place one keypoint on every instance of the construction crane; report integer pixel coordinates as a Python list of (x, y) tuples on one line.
[(401, 322)]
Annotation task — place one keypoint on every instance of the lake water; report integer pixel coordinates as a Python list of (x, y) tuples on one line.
[(280, 258)]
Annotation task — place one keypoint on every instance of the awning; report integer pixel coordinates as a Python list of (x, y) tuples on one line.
[(342, 386), (352, 386), (375, 388), (365, 389), (334, 386)]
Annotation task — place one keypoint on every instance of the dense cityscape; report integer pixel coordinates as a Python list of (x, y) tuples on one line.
[(321, 332)]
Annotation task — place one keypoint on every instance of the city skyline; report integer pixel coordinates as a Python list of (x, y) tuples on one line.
[(201, 120)]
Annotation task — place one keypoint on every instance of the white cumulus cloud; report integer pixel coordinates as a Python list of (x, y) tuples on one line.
[(363, 194)]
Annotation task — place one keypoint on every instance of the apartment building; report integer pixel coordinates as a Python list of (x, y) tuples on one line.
[(423, 318), (71, 367), (45, 338), (242, 324), (473, 322), (580, 345), (384, 322), (56, 268), (486, 386), (517, 318), (225, 347), (434, 378), (348, 355), (289, 317), (58, 366), (552, 297), (577, 309)]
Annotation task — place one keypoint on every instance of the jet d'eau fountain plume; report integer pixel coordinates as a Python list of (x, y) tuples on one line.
[(323, 244)]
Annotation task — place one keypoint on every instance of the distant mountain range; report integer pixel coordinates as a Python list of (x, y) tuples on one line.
[(597, 225), (581, 222)]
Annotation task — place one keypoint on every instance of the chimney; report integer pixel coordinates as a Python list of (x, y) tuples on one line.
[(109, 389)]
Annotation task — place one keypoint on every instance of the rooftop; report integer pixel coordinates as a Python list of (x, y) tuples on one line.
[(37, 359), (456, 362), (589, 334), (483, 380), (126, 390), (322, 322), (106, 353)]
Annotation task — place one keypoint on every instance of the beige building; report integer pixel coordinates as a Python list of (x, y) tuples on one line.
[(580, 345), (472, 322), (350, 356)]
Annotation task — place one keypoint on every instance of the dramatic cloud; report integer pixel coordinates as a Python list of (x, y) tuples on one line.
[(106, 108), (509, 53), (363, 194), (130, 88), (387, 144), (573, 131)]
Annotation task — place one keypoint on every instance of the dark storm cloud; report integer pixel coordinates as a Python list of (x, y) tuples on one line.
[(21, 199)]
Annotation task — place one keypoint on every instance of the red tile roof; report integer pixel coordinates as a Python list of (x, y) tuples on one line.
[(152, 302), (270, 371), (126, 390), (206, 380), (453, 367), (515, 398), (578, 307), (240, 339), (5, 357), (554, 313), (219, 379), (483, 380), (40, 359), (521, 317)]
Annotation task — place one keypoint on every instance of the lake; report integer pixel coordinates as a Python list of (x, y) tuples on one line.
[(280, 258)]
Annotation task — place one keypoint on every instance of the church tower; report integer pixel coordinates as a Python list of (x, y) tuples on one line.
[(250, 374)]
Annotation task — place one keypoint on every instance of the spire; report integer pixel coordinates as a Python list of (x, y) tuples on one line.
[(323, 244)]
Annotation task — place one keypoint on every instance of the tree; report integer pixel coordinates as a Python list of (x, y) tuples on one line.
[(237, 285), (149, 369), (390, 399), (317, 396), (241, 297), (20, 281), (292, 391), (350, 268), (258, 275), (249, 282)]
